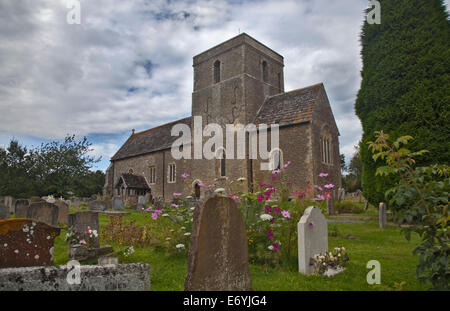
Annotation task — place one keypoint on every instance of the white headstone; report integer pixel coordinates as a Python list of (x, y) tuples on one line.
[(312, 238)]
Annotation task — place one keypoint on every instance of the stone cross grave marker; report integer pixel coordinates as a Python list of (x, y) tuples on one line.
[(21, 208), (44, 212), (312, 238), (218, 255), (26, 243), (80, 222), (117, 204), (382, 215)]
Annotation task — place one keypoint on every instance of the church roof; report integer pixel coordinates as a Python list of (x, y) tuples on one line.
[(154, 139), (134, 181), (289, 108)]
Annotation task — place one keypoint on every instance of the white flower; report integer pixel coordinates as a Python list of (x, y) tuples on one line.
[(188, 197), (192, 208), (167, 239), (165, 215), (266, 217), (183, 228), (179, 246), (172, 230), (219, 190), (270, 247), (187, 233), (241, 179)]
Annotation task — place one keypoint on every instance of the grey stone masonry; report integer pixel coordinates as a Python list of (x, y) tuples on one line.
[(122, 277)]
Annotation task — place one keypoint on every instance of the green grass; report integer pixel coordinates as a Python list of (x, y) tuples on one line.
[(388, 246)]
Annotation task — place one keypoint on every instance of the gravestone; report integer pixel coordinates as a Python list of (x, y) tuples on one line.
[(36, 200), (81, 221), (330, 204), (26, 243), (4, 210), (147, 198), (63, 211), (366, 205), (21, 208), (76, 202), (97, 205), (218, 253), (9, 203), (312, 238), (341, 194), (117, 204), (44, 212), (141, 199), (382, 215)]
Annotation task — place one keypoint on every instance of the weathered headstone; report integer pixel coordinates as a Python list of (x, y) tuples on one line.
[(366, 205), (117, 204), (63, 211), (330, 204), (21, 208), (9, 203), (341, 194), (312, 238), (141, 199), (382, 215), (147, 198), (36, 200), (81, 221), (26, 242), (97, 205), (4, 210), (44, 212), (218, 253)]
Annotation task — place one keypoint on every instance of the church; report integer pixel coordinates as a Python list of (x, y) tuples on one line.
[(239, 81)]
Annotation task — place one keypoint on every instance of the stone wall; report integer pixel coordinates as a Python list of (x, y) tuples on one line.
[(123, 277)]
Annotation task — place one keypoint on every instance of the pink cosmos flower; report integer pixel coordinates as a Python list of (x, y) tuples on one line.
[(318, 187), (268, 209), (277, 209), (319, 197), (274, 178), (261, 184), (270, 235), (149, 209), (312, 224), (176, 194), (83, 242), (287, 164), (276, 171), (286, 214), (201, 185), (155, 216), (323, 175), (185, 175), (275, 246), (329, 186), (158, 211), (174, 205), (260, 198), (210, 186)]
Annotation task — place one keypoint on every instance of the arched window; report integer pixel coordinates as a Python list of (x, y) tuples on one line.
[(276, 159), (223, 170), (326, 147), (265, 72), (217, 71)]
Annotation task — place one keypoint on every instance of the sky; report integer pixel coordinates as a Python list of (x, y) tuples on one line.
[(128, 64)]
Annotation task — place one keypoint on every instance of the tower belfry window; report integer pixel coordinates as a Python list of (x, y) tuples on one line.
[(217, 71)]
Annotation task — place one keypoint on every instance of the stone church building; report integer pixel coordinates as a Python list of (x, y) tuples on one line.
[(238, 81)]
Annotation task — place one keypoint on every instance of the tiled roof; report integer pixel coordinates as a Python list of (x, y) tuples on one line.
[(134, 181), (289, 108), (154, 139)]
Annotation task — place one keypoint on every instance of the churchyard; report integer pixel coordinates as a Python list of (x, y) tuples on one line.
[(229, 240)]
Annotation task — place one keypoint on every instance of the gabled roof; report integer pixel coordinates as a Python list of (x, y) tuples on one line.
[(133, 181), (289, 108), (154, 139)]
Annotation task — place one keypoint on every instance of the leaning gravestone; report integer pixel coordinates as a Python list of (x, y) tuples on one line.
[(97, 205), (117, 204), (312, 238), (382, 215), (44, 212), (26, 243), (63, 211), (4, 210), (218, 253), (81, 221), (21, 208)]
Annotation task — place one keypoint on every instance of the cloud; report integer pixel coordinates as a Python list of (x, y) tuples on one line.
[(129, 63)]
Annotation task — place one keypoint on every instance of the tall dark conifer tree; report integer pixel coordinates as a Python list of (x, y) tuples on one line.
[(405, 88)]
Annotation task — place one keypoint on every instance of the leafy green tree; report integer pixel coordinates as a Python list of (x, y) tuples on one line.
[(420, 197), (352, 181), (405, 86)]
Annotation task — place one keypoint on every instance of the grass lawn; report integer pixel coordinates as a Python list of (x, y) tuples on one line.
[(368, 242)]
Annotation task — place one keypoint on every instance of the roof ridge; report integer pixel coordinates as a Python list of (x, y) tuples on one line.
[(159, 126), (296, 90)]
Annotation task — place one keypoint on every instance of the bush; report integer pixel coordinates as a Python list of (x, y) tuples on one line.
[(348, 207)]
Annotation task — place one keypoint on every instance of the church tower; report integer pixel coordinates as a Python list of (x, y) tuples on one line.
[(231, 82)]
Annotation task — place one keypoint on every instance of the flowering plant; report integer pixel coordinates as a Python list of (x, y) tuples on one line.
[(324, 261)]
